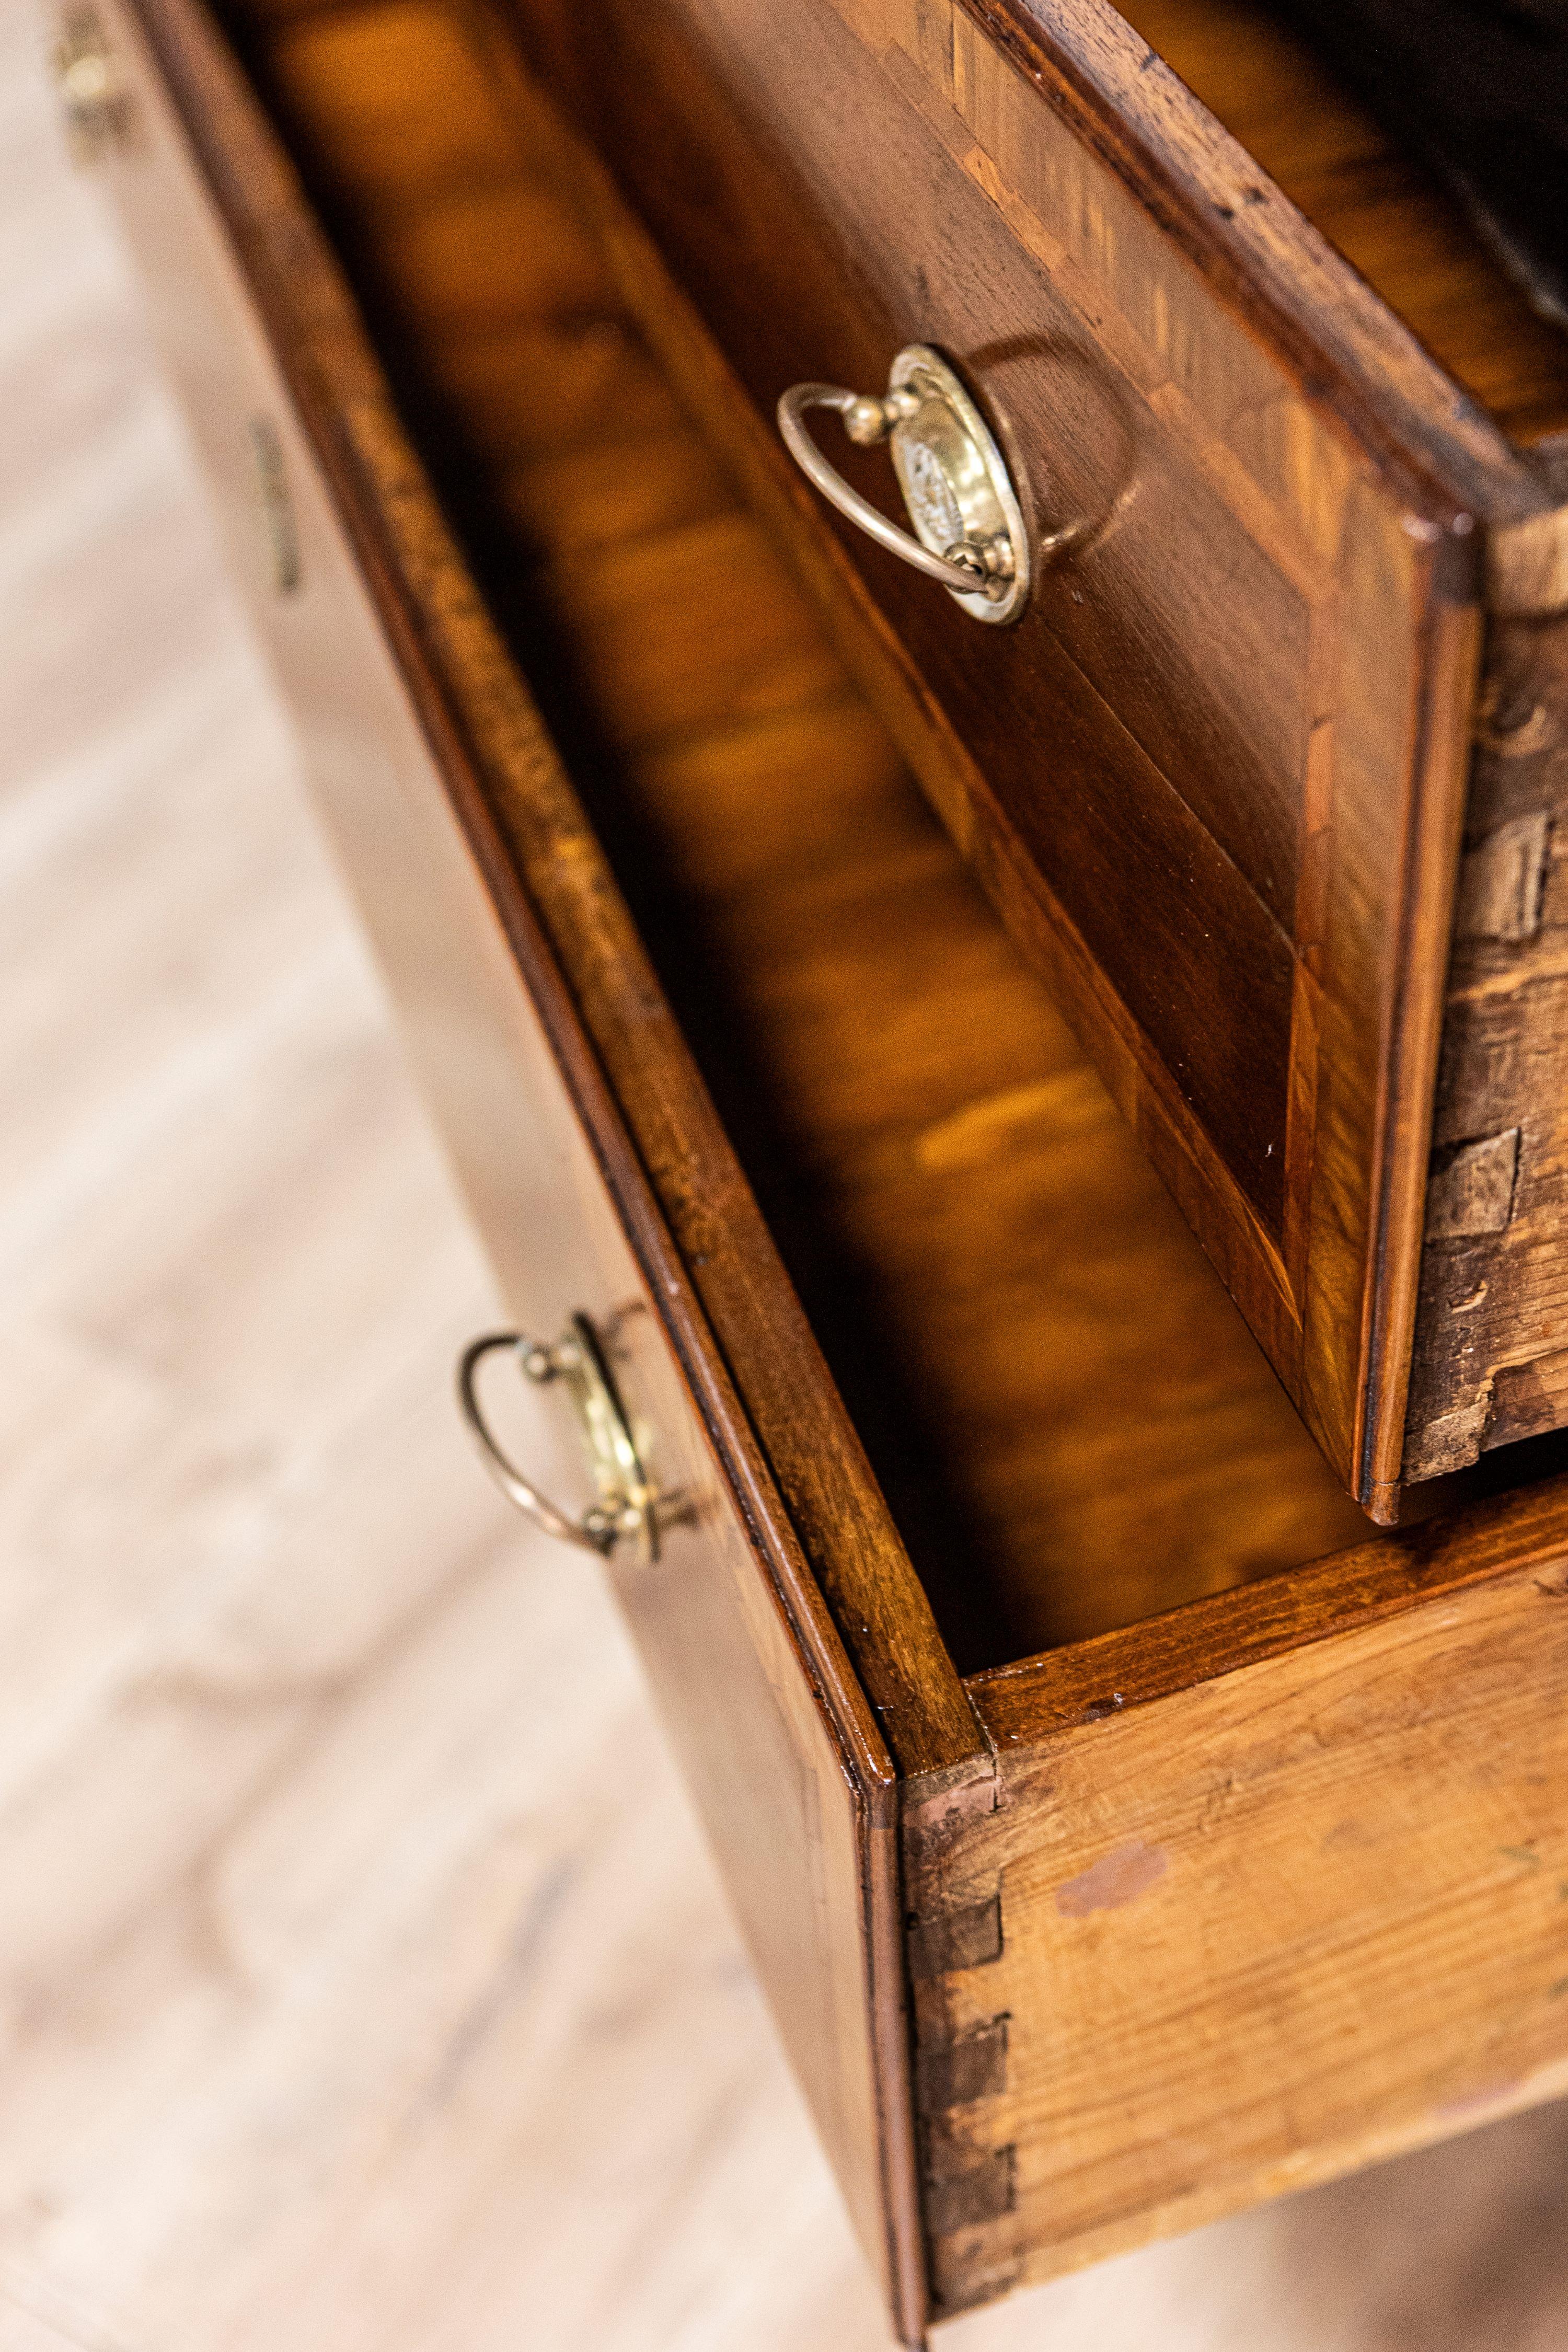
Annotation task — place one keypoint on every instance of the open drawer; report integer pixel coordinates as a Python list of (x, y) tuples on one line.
[(1121, 1833), (1294, 534)]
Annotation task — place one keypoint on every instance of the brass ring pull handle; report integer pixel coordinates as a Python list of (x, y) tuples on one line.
[(626, 1506), (969, 526)]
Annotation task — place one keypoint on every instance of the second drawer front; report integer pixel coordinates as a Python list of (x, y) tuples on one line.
[(782, 1788)]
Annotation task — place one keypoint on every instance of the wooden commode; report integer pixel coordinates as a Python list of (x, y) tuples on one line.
[(1019, 1105)]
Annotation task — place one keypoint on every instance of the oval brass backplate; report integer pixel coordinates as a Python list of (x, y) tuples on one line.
[(953, 477), (627, 1504), (99, 109), (968, 534)]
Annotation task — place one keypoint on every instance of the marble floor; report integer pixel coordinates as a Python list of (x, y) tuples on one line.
[(334, 2019)]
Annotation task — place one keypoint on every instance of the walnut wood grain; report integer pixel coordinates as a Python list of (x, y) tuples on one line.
[(1340, 169), (1489, 1320), (1068, 1418), (378, 483), (924, 1125), (1490, 1316)]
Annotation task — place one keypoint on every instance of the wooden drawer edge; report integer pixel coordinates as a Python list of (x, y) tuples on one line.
[(493, 755), (1246, 1918), (1270, 264), (1225, 1631)]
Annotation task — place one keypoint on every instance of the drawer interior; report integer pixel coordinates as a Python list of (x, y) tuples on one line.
[(1372, 198), (1073, 1427)]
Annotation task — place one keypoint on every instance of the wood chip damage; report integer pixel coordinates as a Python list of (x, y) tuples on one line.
[(1490, 1362), (956, 1937)]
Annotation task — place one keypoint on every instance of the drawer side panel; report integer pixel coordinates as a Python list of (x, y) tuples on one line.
[(1491, 1356), (1261, 1931)]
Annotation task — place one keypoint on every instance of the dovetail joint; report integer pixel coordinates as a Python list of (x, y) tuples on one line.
[(967, 1937), (956, 2074), (961, 2194)]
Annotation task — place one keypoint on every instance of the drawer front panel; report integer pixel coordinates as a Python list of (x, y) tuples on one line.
[(1222, 756), (794, 1787)]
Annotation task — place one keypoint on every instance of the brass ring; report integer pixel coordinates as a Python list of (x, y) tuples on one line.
[(840, 494), (970, 535), (626, 1504)]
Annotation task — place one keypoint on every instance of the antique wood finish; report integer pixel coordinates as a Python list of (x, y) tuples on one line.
[(411, 715), (1336, 163), (1340, 168), (503, 772), (1224, 754), (1189, 1909), (1298, 1907), (1370, 199)]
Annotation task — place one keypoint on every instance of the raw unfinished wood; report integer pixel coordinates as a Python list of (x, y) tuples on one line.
[(1297, 1906), (1494, 1279)]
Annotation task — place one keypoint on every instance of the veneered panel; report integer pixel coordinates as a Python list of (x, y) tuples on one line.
[(1196, 634), (1103, 718), (1199, 962)]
